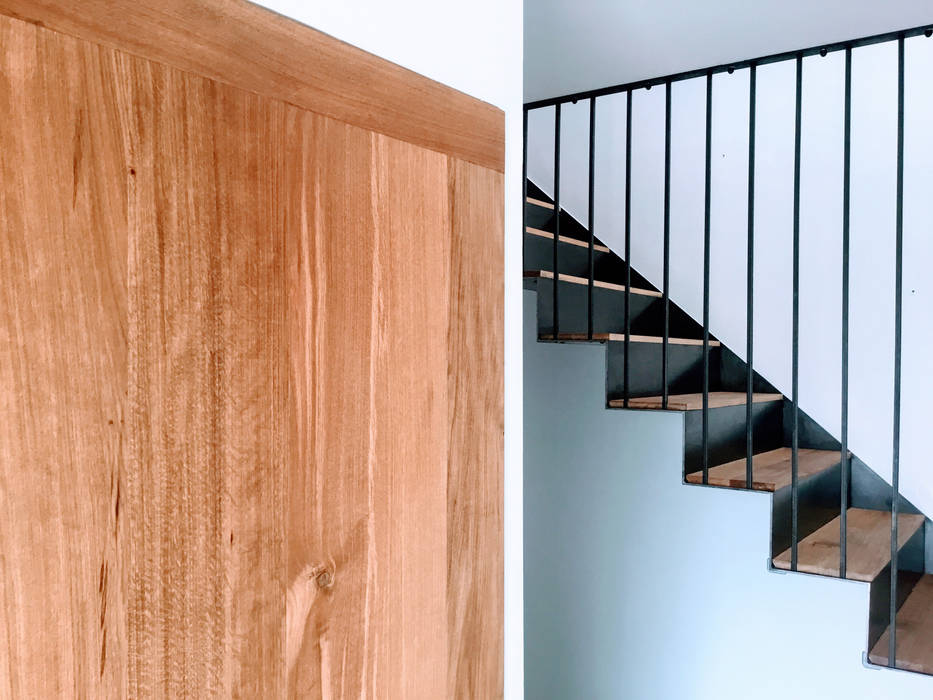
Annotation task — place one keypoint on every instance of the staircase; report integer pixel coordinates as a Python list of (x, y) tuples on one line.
[(640, 385)]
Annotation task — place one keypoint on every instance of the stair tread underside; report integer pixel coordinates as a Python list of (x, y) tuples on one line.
[(694, 402), (914, 633), (868, 545), (771, 470)]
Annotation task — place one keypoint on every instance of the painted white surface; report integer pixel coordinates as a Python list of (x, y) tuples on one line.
[(874, 111), (574, 46), (637, 586), (477, 49)]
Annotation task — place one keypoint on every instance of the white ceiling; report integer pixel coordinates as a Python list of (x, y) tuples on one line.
[(573, 45)]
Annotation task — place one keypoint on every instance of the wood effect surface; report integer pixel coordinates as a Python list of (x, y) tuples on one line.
[(770, 470), (539, 203), (694, 402), (914, 633), (250, 47), (476, 428), (868, 545), (63, 368)]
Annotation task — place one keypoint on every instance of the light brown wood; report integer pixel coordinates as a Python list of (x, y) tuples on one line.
[(694, 402), (620, 337), (539, 203), (566, 239), (770, 470), (573, 279), (476, 415), (63, 367), (868, 545), (914, 633), (247, 46), (207, 391)]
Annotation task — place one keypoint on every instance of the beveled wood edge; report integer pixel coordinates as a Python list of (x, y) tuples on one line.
[(573, 279), (258, 50), (620, 337), (539, 203), (531, 230)]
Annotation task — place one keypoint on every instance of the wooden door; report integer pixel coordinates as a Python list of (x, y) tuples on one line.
[(250, 362)]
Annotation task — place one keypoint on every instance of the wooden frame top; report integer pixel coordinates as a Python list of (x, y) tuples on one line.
[(252, 48)]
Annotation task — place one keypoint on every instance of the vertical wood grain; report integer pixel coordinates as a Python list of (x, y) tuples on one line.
[(476, 413), (62, 367), (207, 394), (367, 485)]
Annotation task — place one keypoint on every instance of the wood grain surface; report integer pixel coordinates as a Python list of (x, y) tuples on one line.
[(914, 635), (250, 47), (251, 406)]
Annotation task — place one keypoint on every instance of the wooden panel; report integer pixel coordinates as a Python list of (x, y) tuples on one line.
[(367, 551), (247, 46), (62, 367), (474, 489), (770, 470), (694, 402), (207, 392), (914, 633), (868, 545)]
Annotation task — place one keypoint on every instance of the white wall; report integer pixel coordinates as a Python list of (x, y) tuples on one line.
[(574, 46), (476, 48), (637, 586), (874, 110)]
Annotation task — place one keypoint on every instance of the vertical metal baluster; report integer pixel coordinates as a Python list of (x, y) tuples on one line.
[(666, 291), (592, 220), (706, 259), (795, 350), (628, 246), (844, 436), (524, 181), (555, 266), (750, 279), (898, 298)]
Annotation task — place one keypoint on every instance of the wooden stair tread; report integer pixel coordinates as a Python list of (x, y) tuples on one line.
[(573, 279), (914, 632), (619, 337), (566, 239), (694, 402), (868, 545), (770, 470), (539, 203)]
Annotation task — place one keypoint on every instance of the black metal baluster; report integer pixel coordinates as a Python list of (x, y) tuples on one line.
[(666, 290), (898, 299), (628, 247), (750, 280), (555, 266), (706, 259), (795, 350), (844, 430), (524, 181), (592, 220)]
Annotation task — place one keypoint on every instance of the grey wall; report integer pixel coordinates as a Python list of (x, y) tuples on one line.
[(637, 586)]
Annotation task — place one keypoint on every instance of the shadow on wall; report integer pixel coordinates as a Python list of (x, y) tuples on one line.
[(637, 586)]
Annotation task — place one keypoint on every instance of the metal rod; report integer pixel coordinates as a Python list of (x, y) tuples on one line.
[(628, 248), (844, 430), (706, 259), (898, 299), (666, 290), (733, 66), (592, 220), (524, 181), (795, 348), (750, 281), (555, 267)]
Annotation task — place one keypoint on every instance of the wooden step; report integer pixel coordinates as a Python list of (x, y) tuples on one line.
[(694, 402), (539, 203), (914, 632), (620, 337), (770, 470), (566, 239), (573, 279), (868, 545)]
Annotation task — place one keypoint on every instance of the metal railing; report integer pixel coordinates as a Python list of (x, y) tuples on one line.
[(753, 65)]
